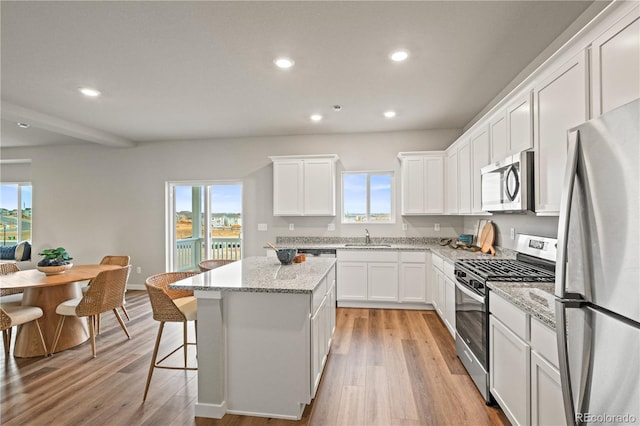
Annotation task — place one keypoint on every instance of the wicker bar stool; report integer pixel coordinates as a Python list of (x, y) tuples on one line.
[(207, 265), (104, 294), (170, 306)]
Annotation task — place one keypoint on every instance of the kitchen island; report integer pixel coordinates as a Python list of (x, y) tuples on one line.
[(264, 333)]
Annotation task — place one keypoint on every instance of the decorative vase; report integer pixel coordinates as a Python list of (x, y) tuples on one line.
[(53, 270)]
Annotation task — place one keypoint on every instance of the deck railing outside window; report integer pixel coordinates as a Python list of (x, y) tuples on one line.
[(190, 251)]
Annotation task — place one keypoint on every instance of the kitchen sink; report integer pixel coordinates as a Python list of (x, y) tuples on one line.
[(367, 245)]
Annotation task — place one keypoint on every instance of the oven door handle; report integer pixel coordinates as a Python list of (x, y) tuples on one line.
[(469, 293)]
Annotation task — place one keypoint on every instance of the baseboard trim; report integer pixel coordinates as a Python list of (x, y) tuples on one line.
[(211, 411), (385, 305), (135, 286)]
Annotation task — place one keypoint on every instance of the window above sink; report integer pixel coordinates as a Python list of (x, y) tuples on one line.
[(368, 197)]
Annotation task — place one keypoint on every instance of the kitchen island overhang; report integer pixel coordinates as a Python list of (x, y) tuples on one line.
[(264, 333)]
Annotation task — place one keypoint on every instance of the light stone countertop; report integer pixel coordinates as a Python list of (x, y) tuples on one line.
[(261, 274), (395, 243), (536, 299)]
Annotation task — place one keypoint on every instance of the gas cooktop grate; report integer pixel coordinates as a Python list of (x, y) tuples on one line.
[(506, 270)]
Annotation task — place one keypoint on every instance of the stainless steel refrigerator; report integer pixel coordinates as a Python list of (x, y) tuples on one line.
[(598, 275)]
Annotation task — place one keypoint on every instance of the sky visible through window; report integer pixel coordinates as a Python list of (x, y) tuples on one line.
[(9, 196), (224, 198), (355, 196)]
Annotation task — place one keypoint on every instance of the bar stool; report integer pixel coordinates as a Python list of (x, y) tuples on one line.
[(207, 265), (170, 306)]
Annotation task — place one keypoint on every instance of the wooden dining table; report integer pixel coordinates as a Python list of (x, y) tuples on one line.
[(47, 292)]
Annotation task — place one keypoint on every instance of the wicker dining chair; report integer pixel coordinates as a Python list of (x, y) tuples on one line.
[(207, 265), (15, 293), (170, 306), (104, 294), (118, 261), (15, 314)]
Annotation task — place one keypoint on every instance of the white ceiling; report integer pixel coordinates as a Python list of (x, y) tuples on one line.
[(202, 70)]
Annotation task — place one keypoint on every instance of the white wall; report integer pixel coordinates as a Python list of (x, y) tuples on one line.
[(544, 226), (95, 200)]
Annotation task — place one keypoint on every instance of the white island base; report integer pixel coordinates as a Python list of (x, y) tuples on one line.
[(262, 353)]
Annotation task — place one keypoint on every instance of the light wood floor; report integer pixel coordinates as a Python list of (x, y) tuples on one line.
[(386, 367)]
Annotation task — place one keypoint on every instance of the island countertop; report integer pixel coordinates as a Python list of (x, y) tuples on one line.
[(260, 274)]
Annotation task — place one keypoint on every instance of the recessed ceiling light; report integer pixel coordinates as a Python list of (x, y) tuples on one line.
[(24, 125), (88, 91), (284, 63), (316, 117), (389, 114), (399, 55)]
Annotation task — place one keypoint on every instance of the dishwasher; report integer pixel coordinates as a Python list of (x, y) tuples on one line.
[(318, 252)]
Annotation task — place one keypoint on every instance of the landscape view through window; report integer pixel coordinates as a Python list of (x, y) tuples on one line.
[(15, 211)]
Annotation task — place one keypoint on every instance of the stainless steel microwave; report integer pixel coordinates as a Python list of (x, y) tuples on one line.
[(507, 185)]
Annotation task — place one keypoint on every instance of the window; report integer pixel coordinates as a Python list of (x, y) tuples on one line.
[(15, 207), (367, 197), (191, 237)]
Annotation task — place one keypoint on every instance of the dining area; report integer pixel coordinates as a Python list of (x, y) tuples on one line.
[(50, 311), (59, 375)]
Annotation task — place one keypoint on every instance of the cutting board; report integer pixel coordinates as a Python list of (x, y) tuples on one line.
[(486, 238)]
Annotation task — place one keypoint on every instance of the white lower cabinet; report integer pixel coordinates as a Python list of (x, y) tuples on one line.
[(352, 277), (509, 367), (367, 275), (318, 347), (323, 320), (382, 282), (332, 308), (444, 299), (450, 305), (438, 300), (546, 393), (523, 372), (382, 278), (413, 277)]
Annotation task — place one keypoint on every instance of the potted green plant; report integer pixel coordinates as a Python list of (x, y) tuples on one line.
[(54, 261)]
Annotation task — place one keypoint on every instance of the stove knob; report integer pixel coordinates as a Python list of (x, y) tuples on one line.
[(460, 274)]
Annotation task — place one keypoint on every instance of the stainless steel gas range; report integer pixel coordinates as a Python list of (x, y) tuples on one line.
[(535, 262)]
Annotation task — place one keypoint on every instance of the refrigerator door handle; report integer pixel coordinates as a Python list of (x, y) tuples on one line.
[(565, 210), (563, 358)]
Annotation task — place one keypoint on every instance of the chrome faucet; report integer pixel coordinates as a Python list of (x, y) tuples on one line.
[(367, 238)]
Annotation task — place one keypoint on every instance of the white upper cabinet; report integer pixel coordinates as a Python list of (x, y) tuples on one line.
[(615, 65), (520, 124), (464, 177), (498, 132), (479, 159), (288, 187), (304, 185), (422, 182), (560, 103), (452, 180), (511, 129), (319, 187)]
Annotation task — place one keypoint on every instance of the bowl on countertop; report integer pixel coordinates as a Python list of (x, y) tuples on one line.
[(286, 255)]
